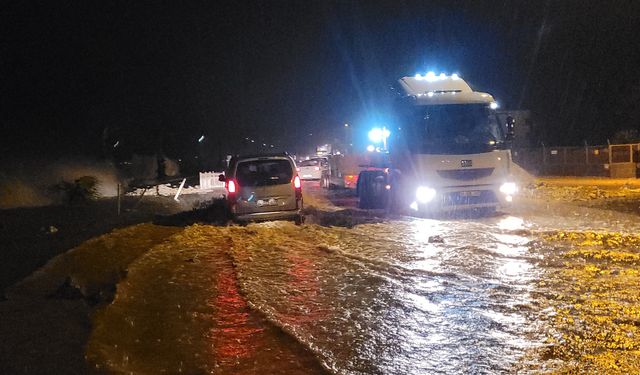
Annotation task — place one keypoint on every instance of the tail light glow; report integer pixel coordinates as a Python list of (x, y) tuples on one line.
[(296, 182), (231, 186), (350, 180)]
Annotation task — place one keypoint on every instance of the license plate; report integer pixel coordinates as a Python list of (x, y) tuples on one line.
[(472, 193), (266, 202)]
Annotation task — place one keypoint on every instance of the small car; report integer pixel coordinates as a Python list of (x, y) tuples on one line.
[(312, 169), (263, 187)]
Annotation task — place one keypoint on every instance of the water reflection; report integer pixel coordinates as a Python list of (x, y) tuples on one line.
[(406, 297), (305, 286), (424, 229), (181, 310), (232, 337), (511, 223)]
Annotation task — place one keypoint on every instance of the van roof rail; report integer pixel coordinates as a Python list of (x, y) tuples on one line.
[(262, 154)]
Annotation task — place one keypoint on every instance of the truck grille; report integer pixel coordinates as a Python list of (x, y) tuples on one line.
[(465, 174), (464, 198)]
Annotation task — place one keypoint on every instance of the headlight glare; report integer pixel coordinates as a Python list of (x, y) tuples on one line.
[(425, 194), (508, 188)]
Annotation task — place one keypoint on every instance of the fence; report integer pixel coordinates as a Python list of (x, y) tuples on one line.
[(616, 161), (209, 181)]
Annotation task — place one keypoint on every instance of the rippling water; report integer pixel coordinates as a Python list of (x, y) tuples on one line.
[(409, 296), (419, 296), (180, 311)]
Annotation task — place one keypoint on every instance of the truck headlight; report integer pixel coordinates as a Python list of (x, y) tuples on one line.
[(508, 188), (425, 194)]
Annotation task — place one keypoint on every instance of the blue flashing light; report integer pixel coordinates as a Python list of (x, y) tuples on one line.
[(377, 135)]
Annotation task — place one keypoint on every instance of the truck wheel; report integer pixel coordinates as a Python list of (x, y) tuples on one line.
[(360, 191), (365, 190), (394, 196), (391, 206), (373, 192)]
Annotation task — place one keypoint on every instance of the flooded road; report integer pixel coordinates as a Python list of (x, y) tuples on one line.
[(405, 296), (522, 291), (180, 311), (418, 296)]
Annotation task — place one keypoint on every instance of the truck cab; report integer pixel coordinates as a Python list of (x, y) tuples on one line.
[(451, 153)]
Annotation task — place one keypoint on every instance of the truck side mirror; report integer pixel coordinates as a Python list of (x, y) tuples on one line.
[(511, 123), (222, 178)]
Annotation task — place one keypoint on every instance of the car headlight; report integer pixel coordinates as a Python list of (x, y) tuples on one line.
[(425, 194), (508, 188)]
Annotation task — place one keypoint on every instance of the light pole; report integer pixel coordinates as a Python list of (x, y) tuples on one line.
[(347, 138)]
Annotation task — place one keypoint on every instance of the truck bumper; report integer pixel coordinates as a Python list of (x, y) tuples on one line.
[(456, 199)]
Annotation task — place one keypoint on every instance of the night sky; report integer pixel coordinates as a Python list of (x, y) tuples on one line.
[(78, 76)]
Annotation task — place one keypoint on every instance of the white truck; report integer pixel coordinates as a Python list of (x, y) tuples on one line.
[(448, 151)]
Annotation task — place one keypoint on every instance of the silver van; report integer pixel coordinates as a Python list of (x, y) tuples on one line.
[(263, 187)]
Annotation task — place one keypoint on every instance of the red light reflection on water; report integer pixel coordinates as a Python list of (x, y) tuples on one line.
[(235, 335), (305, 281), (243, 342)]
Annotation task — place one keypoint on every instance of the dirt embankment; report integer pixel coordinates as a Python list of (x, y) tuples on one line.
[(622, 195), (32, 236)]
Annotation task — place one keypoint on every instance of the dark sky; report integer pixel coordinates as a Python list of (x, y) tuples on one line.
[(79, 75)]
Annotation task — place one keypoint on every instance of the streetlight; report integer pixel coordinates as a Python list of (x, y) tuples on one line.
[(347, 136)]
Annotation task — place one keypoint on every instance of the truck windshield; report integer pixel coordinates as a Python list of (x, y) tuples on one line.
[(454, 129)]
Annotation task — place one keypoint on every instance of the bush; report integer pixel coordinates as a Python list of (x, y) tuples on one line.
[(82, 189)]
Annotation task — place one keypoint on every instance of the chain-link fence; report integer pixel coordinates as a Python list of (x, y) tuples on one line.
[(616, 161)]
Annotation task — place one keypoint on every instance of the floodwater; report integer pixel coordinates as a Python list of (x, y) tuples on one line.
[(403, 296), (415, 296)]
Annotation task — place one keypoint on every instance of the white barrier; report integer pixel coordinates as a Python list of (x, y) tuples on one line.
[(209, 181)]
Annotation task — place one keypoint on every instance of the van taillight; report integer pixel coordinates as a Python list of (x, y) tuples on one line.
[(231, 186), (296, 182)]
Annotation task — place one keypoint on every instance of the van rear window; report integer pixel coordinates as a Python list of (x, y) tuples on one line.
[(309, 163), (264, 172)]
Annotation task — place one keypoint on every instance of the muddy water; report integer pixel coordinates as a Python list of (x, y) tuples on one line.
[(404, 297), (180, 311)]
